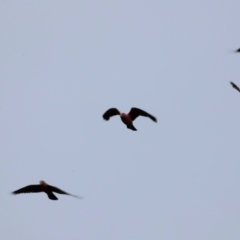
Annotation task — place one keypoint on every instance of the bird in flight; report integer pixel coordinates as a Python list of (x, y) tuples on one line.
[(235, 86), (127, 119), (43, 187), (238, 50)]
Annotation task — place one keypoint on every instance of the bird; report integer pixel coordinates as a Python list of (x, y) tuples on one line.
[(235, 86), (128, 119), (238, 50), (43, 187)]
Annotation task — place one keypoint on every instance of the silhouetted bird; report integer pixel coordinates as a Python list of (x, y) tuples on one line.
[(238, 50), (235, 86), (43, 187), (127, 119)]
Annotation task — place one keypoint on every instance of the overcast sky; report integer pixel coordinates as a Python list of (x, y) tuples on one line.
[(64, 63)]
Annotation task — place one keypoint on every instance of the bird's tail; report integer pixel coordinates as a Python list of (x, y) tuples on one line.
[(132, 127), (52, 196)]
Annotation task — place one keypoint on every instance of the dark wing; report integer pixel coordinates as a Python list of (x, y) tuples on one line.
[(238, 50), (135, 112), (110, 113), (58, 190), (29, 189), (235, 86)]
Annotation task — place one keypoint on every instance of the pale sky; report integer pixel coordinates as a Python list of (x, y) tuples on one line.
[(64, 63)]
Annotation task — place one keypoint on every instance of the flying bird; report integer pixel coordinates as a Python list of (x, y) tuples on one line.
[(235, 86), (238, 50), (127, 119), (43, 187)]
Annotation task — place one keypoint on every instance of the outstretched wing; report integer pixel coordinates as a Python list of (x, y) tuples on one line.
[(110, 113), (29, 189), (135, 112), (58, 190), (235, 86)]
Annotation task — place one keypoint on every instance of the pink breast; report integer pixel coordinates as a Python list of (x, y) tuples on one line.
[(126, 119)]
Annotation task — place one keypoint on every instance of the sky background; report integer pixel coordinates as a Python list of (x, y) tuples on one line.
[(64, 63)]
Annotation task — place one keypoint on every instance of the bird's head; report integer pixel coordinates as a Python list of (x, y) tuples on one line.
[(42, 182)]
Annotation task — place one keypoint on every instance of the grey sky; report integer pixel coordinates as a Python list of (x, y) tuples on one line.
[(64, 63)]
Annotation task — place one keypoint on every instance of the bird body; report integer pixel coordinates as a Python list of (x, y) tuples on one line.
[(43, 187), (127, 119)]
